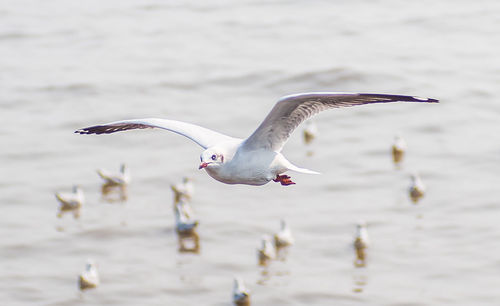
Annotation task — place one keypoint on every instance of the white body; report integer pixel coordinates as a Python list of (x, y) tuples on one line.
[(399, 144), (266, 251), (361, 239), (184, 219), (74, 199), (89, 277), (120, 178), (284, 237)]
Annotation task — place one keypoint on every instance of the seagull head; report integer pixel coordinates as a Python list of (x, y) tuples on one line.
[(211, 158)]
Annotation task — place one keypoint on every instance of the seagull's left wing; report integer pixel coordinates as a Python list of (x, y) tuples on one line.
[(202, 136), (290, 111)]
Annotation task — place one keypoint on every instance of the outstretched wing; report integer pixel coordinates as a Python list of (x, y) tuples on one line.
[(290, 111), (202, 136)]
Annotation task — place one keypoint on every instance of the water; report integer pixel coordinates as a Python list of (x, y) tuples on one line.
[(70, 64)]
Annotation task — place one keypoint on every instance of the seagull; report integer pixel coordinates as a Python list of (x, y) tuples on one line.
[(184, 220), (398, 149), (241, 296), (70, 201), (284, 237), (257, 159), (183, 191), (361, 242), (89, 277), (417, 188), (266, 251), (115, 179)]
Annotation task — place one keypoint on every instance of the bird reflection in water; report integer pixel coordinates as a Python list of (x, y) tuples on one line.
[(63, 209), (309, 133), (189, 241), (360, 280), (113, 193)]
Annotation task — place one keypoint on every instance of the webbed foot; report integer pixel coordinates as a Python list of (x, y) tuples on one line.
[(285, 180)]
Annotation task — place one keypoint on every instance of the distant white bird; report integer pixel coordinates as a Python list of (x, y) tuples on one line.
[(361, 239), (121, 178), (71, 201), (416, 189), (310, 131), (284, 237), (241, 296), (183, 191), (361, 242), (398, 149), (89, 277), (266, 252), (184, 219), (256, 160)]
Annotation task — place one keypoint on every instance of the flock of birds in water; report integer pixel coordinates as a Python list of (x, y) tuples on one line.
[(186, 223)]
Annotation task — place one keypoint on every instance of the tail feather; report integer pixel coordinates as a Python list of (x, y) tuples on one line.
[(302, 170)]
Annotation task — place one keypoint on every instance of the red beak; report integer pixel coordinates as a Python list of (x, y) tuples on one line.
[(203, 165)]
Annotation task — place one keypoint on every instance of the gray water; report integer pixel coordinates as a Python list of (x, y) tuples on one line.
[(222, 64)]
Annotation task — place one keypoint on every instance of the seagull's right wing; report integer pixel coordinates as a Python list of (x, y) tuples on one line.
[(290, 111), (202, 136)]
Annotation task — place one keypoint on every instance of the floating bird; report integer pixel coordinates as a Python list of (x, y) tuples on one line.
[(361, 239), (361, 242), (417, 188), (183, 191), (255, 160), (284, 237), (115, 179), (89, 277), (184, 220), (241, 296), (70, 201), (310, 131), (398, 149), (266, 251)]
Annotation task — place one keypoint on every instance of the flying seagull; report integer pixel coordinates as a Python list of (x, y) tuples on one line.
[(255, 160)]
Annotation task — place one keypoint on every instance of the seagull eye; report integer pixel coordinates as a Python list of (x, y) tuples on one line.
[(214, 157)]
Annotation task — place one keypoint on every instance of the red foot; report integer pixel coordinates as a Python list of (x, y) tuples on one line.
[(284, 180)]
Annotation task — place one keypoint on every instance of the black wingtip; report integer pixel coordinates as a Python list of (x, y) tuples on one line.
[(428, 100), (81, 131), (419, 99), (87, 131)]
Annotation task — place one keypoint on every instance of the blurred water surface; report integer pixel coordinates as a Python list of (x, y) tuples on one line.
[(222, 64)]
